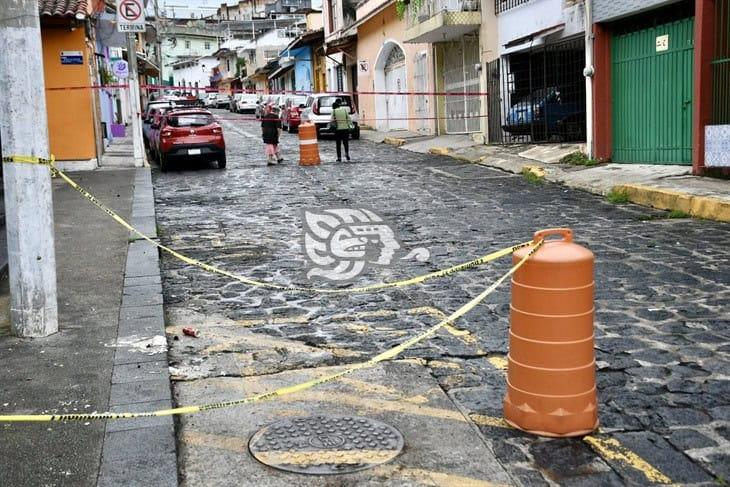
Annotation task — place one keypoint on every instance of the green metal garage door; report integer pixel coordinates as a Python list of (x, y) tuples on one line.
[(652, 94)]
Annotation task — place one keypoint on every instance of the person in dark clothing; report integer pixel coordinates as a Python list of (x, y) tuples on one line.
[(341, 121), (270, 130)]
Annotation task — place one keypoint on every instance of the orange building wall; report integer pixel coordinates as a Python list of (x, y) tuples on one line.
[(70, 112), (371, 36)]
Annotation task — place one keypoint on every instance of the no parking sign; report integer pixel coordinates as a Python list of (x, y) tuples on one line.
[(130, 16)]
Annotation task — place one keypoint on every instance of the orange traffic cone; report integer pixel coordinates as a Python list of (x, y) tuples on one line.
[(551, 376), (308, 146)]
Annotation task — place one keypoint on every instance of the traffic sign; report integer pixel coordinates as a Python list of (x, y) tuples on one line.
[(130, 16)]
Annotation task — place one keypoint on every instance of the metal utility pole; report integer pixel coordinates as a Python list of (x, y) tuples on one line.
[(588, 73), (28, 197), (139, 155)]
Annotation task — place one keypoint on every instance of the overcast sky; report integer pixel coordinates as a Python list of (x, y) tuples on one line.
[(186, 8)]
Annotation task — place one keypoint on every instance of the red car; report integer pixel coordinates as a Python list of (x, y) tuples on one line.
[(188, 133), (291, 114)]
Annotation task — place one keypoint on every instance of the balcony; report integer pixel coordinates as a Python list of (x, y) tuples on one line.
[(431, 21)]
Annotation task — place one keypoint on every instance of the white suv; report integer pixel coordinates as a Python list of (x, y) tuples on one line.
[(318, 110)]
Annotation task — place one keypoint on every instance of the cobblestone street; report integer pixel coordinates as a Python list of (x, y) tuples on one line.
[(662, 322)]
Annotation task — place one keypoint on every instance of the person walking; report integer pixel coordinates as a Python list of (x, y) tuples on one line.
[(342, 125), (270, 131)]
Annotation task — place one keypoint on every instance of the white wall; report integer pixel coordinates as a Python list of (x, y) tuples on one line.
[(527, 19), (199, 72)]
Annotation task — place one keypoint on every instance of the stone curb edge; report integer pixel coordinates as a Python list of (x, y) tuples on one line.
[(705, 207), (140, 451)]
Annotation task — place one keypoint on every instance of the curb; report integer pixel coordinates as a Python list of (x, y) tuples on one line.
[(140, 451), (705, 207), (439, 151), (394, 141)]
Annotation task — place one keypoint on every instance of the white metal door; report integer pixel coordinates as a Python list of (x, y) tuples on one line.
[(395, 82), (460, 76), (420, 80)]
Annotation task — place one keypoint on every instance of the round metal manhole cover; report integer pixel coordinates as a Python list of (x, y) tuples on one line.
[(321, 445)]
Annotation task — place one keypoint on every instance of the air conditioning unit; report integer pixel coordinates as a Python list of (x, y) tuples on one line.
[(285, 61)]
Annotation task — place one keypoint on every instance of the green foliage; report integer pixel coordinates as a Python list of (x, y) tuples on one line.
[(677, 214), (105, 76), (400, 9), (531, 177), (579, 159), (240, 67), (618, 196)]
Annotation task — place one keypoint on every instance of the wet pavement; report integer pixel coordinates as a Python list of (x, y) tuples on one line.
[(662, 320)]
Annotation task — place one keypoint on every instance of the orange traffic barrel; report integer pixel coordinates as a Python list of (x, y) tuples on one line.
[(551, 375), (308, 146)]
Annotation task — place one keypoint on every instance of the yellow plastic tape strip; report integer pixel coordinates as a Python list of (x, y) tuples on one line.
[(355, 290), (387, 355), (29, 160)]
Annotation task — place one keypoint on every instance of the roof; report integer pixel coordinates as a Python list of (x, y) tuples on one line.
[(308, 38), (63, 8)]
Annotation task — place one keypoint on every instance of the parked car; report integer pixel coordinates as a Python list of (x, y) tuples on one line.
[(148, 117), (291, 113), (149, 133), (547, 112), (210, 100), (223, 101), (190, 132), (318, 110), (247, 103)]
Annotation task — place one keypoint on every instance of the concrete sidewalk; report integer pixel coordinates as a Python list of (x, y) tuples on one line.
[(666, 187), (85, 367)]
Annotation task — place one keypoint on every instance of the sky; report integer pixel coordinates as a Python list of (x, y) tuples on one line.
[(186, 8)]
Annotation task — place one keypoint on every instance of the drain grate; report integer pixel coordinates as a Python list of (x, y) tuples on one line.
[(321, 445)]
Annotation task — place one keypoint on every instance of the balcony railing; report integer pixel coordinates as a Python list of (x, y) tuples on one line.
[(429, 8), (503, 5)]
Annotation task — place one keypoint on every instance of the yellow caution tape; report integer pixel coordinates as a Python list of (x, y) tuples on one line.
[(29, 160), (387, 355), (202, 265)]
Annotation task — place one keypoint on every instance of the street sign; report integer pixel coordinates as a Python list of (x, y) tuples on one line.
[(72, 57), (120, 69), (130, 16)]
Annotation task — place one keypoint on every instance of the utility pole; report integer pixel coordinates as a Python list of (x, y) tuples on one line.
[(139, 156), (28, 197), (588, 72)]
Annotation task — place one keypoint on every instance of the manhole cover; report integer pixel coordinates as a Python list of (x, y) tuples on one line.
[(320, 445)]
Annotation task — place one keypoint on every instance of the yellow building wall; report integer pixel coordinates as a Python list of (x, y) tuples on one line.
[(70, 112), (371, 36)]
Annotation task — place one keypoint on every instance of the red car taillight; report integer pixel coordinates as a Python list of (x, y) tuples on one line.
[(315, 108), (217, 130), (166, 133)]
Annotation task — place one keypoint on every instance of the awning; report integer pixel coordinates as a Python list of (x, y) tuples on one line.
[(340, 44), (534, 39), (281, 71), (145, 66)]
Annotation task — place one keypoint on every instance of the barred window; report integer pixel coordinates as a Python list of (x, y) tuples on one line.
[(503, 5)]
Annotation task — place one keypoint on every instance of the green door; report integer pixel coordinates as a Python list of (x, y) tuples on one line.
[(652, 94)]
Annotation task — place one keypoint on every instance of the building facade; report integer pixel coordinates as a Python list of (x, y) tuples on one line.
[(387, 65), (452, 28), (661, 93), (182, 41)]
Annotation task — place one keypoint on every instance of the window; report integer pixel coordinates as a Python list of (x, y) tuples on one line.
[(334, 24), (207, 45), (187, 44), (503, 5)]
